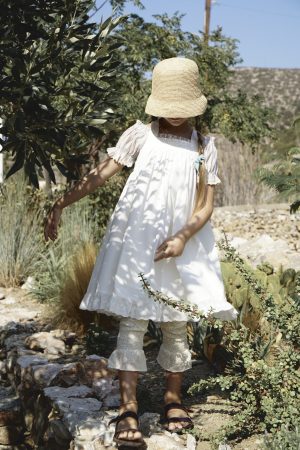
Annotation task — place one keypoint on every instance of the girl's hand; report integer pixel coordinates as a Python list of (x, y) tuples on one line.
[(173, 246), (52, 221)]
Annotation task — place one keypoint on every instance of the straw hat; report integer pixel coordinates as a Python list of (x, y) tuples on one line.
[(176, 89)]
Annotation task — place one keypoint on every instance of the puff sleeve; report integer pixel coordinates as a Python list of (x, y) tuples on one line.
[(211, 161), (129, 144)]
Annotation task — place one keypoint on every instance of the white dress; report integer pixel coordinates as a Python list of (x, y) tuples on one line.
[(157, 200)]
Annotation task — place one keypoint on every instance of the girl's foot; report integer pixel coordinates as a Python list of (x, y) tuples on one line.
[(127, 435), (177, 411)]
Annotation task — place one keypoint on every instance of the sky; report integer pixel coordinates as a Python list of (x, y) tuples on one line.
[(268, 30)]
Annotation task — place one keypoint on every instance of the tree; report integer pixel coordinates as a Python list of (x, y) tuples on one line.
[(284, 175), (57, 70)]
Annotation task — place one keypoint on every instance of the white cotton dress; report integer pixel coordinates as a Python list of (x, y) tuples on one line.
[(156, 202)]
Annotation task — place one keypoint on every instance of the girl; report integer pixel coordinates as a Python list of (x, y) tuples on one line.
[(160, 227)]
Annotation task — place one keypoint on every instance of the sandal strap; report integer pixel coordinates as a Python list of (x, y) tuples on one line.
[(178, 419), (175, 405), (123, 416)]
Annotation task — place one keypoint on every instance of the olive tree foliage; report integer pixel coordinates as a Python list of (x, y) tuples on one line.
[(237, 116), (57, 69)]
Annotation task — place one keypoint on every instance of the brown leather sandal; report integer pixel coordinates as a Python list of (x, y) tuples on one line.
[(123, 441), (167, 420)]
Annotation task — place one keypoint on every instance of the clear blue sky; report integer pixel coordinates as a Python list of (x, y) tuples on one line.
[(268, 31)]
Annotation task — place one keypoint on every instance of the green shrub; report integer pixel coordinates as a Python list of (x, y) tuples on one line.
[(284, 439)]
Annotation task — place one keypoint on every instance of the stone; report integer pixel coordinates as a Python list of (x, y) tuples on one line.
[(58, 429), (96, 368), (67, 336), (149, 423), (43, 374), (74, 419), (70, 374), (2, 296), (10, 435), (29, 284), (163, 442), (15, 340), (112, 401), (46, 342), (30, 360), (10, 407), (191, 442), (54, 392)]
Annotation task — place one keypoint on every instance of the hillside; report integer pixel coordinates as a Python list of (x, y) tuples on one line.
[(280, 88)]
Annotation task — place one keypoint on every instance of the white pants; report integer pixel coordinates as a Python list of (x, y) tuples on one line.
[(174, 354)]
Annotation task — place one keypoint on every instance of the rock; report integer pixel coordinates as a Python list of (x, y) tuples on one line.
[(2, 296), (65, 335), (29, 284), (55, 392), (13, 328), (148, 423), (264, 249), (96, 368), (46, 342), (163, 442), (58, 429), (45, 373), (30, 360), (191, 442), (10, 435), (15, 340), (10, 407), (112, 401), (70, 374)]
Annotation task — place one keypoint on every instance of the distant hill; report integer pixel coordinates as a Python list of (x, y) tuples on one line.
[(280, 88)]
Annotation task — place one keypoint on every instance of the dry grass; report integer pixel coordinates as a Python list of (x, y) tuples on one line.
[(67, 314)]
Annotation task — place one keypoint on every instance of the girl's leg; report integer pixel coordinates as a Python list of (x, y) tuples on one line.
[(175, 357), (129, 359)]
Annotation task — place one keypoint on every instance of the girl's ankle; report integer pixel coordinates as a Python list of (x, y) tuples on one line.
[(172, 399), (128, 406)]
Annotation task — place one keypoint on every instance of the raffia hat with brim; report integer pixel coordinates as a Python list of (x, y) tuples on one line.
[(176, 91)]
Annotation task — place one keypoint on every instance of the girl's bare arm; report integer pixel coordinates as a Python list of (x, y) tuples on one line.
[(200, 217), (89, 183)]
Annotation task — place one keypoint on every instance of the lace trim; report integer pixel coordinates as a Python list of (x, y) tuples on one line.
[(127, 359), (173, 136), (174, 361)]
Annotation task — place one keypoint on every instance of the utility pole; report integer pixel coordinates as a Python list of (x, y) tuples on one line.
[(207, 20)]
